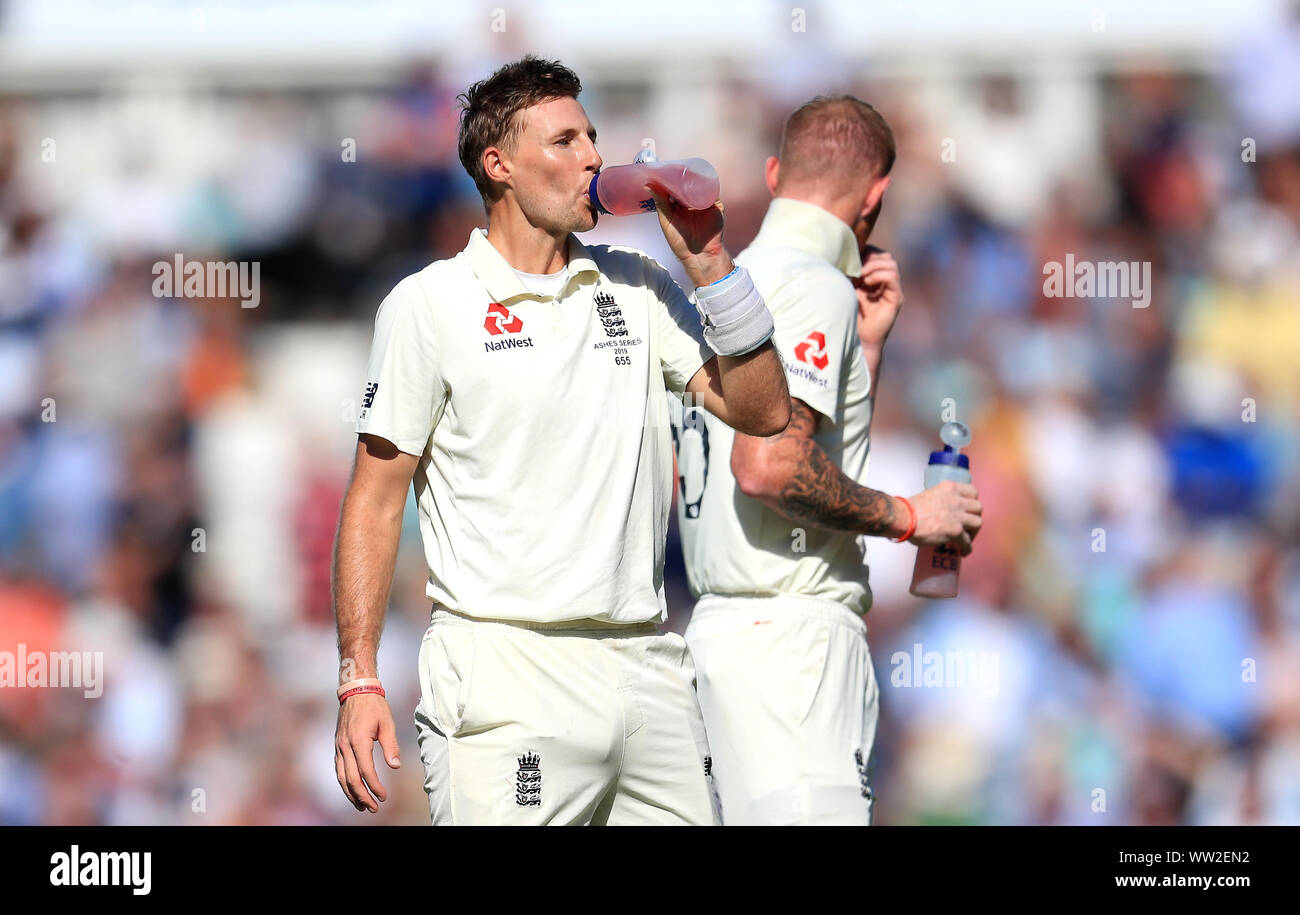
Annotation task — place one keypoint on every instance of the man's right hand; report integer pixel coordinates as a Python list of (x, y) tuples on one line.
[(949, 512), (364, 719), (695, 237)]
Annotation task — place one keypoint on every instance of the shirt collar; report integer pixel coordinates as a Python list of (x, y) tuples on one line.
[(813, 230), (502, 283)]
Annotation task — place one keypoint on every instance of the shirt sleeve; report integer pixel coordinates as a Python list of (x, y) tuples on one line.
[(682, 349), (815, 315), (404, 391)]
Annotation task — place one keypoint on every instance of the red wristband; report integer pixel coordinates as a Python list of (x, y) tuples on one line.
[(911, 526), (360, 681), (362, 689)]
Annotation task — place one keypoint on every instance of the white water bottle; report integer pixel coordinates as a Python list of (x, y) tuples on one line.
[(938, 567), (620, 190)]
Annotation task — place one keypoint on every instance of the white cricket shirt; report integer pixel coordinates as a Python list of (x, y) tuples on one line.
[(801, 261), (541, 423)]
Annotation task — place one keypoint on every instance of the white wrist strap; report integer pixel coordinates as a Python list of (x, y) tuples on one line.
[(736, 319)]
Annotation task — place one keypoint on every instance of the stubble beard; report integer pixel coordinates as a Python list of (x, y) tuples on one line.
[(558, 219)]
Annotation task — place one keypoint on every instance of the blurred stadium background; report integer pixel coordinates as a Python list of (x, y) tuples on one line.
[(178, 512)]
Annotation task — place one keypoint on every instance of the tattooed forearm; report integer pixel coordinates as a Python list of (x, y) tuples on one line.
[(818, 493)]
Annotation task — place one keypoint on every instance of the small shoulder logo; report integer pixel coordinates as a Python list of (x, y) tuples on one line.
[(528, 781), (816, 341), (708, 766), (499, 320), (611, 316), (370, 394)]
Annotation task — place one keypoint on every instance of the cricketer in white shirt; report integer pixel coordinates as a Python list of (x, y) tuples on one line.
[(784, 675), (521, 388)]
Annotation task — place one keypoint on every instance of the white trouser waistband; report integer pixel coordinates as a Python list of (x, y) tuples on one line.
[(718, 606), (582, 625)]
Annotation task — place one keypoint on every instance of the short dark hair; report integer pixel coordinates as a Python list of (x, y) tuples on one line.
[(490, 109), (832, 136)]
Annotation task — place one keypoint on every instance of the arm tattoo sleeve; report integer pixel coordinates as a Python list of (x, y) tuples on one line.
[(819, 493)]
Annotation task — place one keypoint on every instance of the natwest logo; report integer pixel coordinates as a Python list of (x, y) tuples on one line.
[(813, 350), (499, 320)]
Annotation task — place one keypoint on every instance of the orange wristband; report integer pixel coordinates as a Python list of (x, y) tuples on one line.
[(911, 526)]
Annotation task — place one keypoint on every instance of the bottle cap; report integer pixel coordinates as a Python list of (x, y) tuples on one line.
[(950, 457), (955, 434), (595, 198)]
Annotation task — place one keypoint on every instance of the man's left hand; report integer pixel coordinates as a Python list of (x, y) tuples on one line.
[(880, 296)]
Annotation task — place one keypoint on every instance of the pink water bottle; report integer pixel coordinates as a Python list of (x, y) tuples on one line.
[(937, 567), (620, 190)]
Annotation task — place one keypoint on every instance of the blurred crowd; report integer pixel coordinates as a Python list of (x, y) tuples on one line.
[(171, 468)]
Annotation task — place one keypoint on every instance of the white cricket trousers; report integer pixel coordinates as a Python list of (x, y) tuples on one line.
[(790, 705), (571, 723)]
